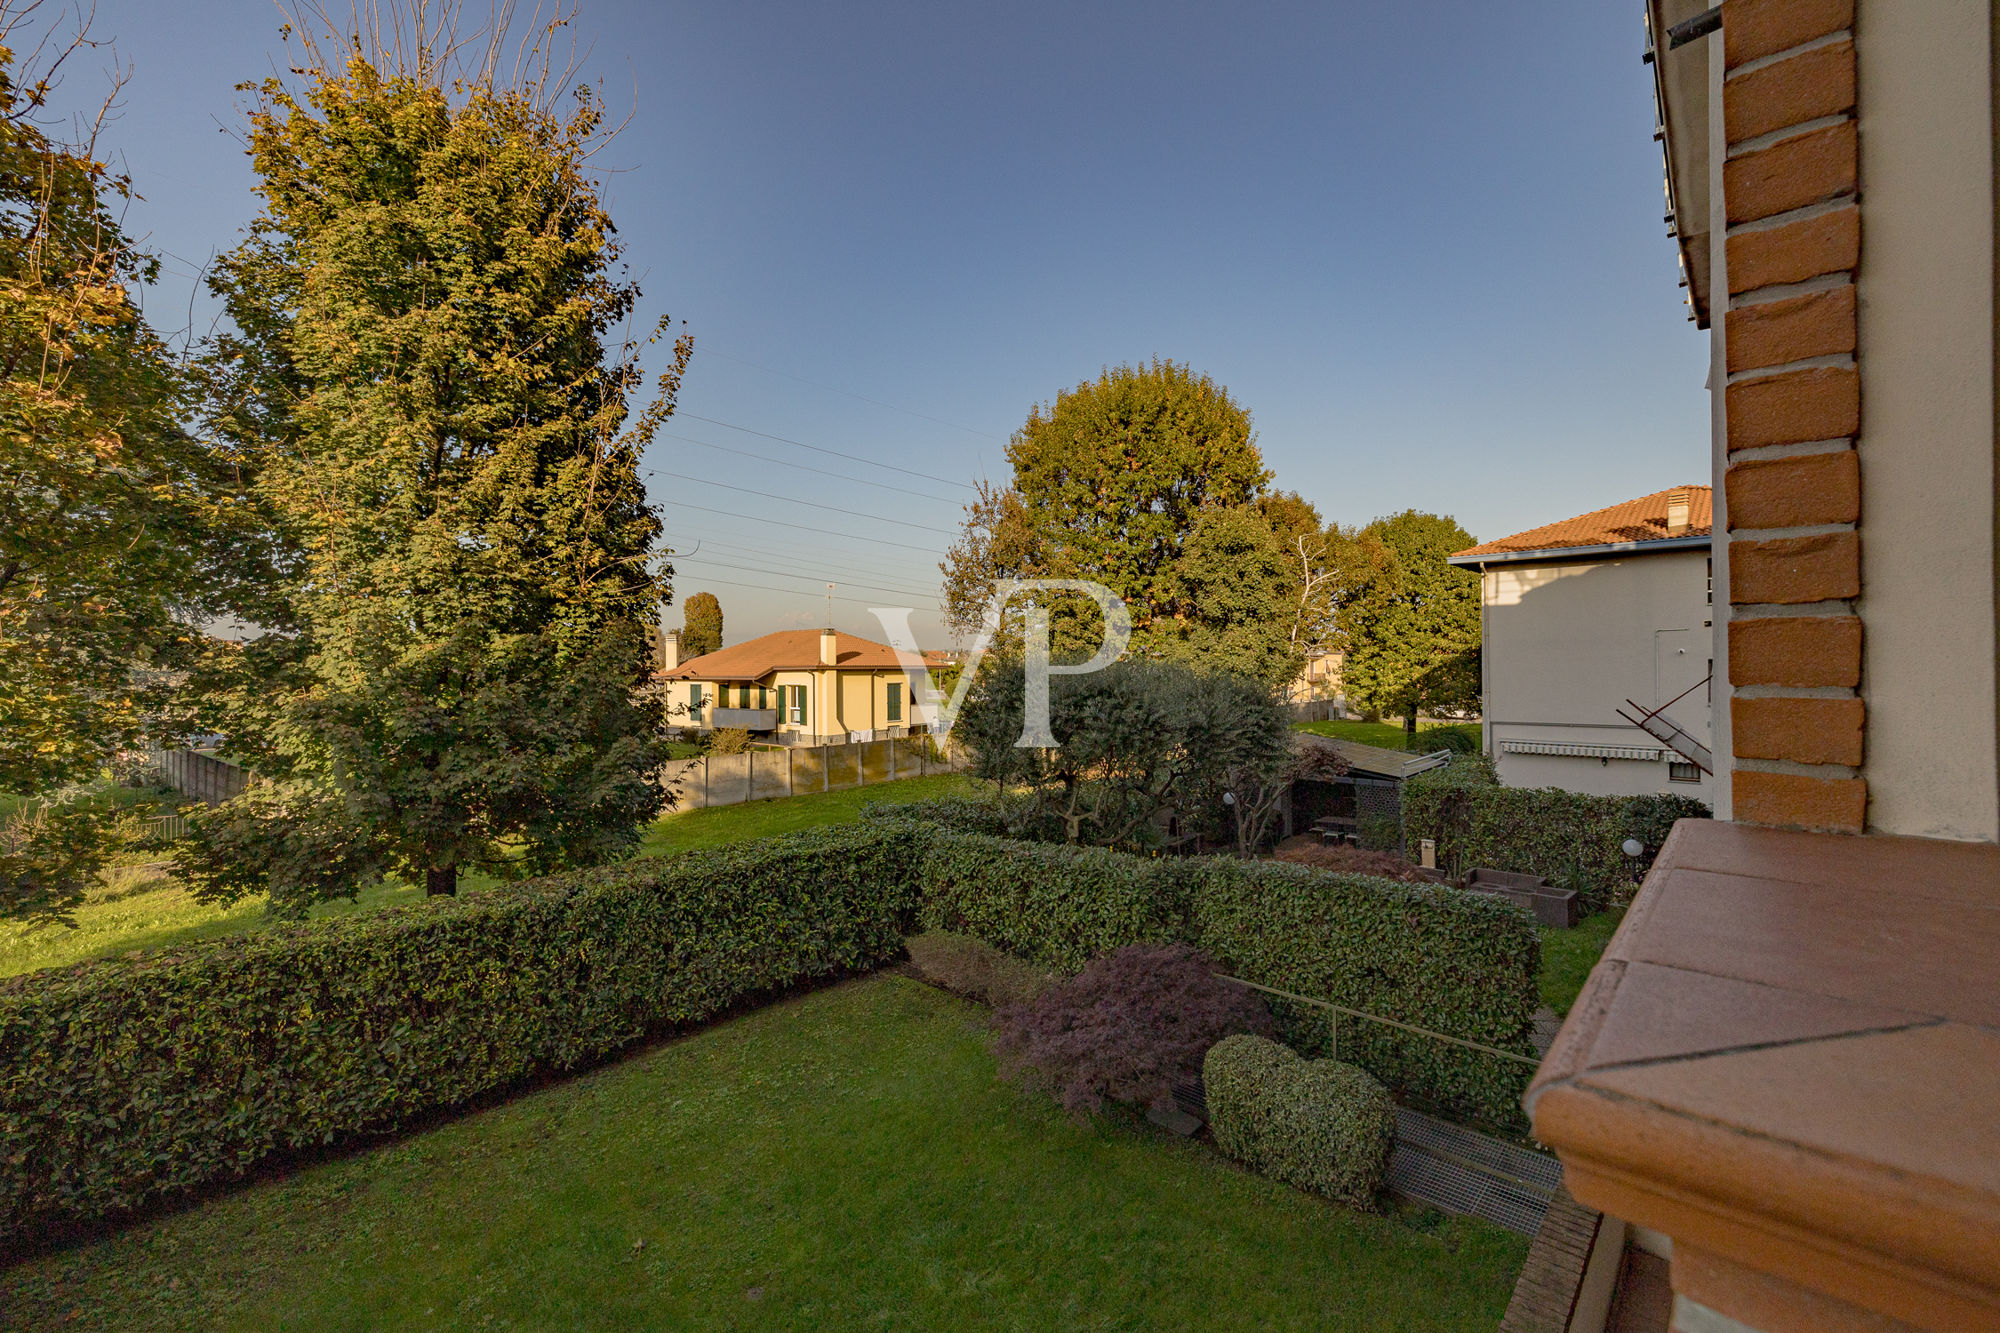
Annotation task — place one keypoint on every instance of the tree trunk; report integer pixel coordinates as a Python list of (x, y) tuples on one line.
[(441, 883), (1410, 721)]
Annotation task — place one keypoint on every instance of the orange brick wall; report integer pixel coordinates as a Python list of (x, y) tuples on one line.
[(1793, 403)]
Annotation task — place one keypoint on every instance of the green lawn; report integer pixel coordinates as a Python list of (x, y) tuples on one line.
[(1388, 735), (142, 909), (845, 1160), (109, 794), (761, 819), (1568, 956)]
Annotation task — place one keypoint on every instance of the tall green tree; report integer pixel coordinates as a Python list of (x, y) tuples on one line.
[(1112, 483), (1409, 620), (701, 625), (418, 381), (106, 504)]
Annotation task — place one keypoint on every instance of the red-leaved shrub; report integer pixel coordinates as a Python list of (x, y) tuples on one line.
[(1127, 1028)]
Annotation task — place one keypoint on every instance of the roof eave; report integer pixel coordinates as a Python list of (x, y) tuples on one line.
[(1467, 560), (1681, 97)]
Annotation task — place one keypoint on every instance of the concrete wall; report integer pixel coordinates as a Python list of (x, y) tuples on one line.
[(200, 777), (764, 774), (1566, 644), (1925, 308)]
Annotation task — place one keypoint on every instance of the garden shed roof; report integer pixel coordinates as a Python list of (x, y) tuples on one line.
[(1372, 760)]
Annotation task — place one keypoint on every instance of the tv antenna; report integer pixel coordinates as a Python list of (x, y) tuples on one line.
[(829, 605)]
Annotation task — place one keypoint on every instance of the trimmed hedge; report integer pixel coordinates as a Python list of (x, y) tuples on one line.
[(1055, 905), (1455, 963), (1577, 841), (1320, 1125), (129, 1080), (960, 814), (126, 1081)]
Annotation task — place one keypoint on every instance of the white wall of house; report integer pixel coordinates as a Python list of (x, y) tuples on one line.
[(1925, 292), (1568, 643)]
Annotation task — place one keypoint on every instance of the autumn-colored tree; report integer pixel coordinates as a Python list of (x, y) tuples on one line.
[(418, 380), (1410, 621), (106, 503), (701, 630)]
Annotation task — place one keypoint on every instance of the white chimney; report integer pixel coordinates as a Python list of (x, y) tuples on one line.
[(670, 649), (1677, 512), (829, 648)]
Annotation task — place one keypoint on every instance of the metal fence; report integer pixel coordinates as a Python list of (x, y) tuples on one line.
[(1340, 1010), (762, 774), (167, 828)]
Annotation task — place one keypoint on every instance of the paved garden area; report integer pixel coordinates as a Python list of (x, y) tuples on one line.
[(846, 1159)]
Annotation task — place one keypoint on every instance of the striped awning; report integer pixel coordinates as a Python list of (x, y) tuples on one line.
[(1644, 753)]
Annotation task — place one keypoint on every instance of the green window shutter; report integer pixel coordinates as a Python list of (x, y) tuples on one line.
[(799, 695), (895, 711)]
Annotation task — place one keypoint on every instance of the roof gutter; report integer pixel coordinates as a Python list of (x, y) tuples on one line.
[(1690, 543)]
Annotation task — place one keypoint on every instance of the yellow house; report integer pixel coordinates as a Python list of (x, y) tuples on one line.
[(795, 687)]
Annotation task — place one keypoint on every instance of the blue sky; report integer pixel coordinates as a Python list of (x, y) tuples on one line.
[(1421, 242)]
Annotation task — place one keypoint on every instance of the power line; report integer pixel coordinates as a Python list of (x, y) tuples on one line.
[(787, 569), (819, 449), (784, 375), (821, 532), (838, 565), (765, 587), (811, 567), (788, 463), (786, 574), (810, 504)]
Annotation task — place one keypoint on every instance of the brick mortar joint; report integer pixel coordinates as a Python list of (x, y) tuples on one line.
[(1803, 213), (1795, 530), (1792, 768), (1758, 374), (1827, 609), (1762, 453), (1761, 374), (1779, 57), (1757, 143), (1773, 292), (1833, 692)]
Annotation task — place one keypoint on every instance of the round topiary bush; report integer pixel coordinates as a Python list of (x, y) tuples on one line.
[(1317, 1124)]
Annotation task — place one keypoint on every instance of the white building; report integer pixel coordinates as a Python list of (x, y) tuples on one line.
[(1592, 626)]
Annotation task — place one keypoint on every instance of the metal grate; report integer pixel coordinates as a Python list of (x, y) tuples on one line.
[(1448, 1166), (1547, 1025)]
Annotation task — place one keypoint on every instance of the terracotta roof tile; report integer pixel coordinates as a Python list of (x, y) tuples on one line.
[(1640, 520), (786, 650)]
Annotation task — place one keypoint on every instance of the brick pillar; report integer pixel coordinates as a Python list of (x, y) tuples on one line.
[(1793, 406)]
